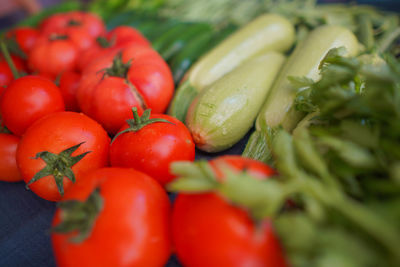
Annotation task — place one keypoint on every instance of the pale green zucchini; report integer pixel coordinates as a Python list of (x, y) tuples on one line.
[(223, 112), (268, 32), (304, 61)]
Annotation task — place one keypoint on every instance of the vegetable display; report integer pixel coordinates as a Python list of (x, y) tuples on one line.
[(265, 33), (307, 97)]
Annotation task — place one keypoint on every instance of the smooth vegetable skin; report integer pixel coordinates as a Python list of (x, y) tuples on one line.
[(304, 61), (268, 32), (131, 228), (223, 112)]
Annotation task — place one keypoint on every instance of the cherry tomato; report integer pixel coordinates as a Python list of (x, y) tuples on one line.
[(89, 23), (118, 38), (69, 84), (131, 228), (25, 37), (53, 54), (26, 100), (208, 231), (116, 82), (55, 133), (8, 163), (154, 147), (6, 76)]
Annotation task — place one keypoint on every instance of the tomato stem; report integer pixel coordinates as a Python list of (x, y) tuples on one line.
[(118, 68), (9, 61), (58, 166), (138, 122), (104, 43), (79, 216)]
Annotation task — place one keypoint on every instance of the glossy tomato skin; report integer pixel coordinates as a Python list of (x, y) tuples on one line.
[(132, 229), (52, 56), (69, 84), (149, 80), (26, 100), (8, 163), (110, 103), (25, 37), (151, 76), (153, 148), (208, 231), (55, 133)]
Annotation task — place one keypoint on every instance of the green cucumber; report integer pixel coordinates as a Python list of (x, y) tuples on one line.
[(170, 35), (277, 110), (169, 50), (268, 32), (224, 112)]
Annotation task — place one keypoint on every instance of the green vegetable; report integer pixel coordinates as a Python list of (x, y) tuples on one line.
[(344, 160), (169, 49), (170, 35), (304, 61), (268, 32), (225, 111)]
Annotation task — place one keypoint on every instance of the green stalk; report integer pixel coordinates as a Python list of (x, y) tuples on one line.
[(8, 59), (388, 40), (372, 224)]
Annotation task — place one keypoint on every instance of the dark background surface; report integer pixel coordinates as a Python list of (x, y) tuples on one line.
[(26, 218)]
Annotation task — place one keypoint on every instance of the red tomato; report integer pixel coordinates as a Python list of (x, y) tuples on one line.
[(26, 100), (53, 54), (69, 84), (132, 228), (153, 148), (8, 163), (125, 34), (118, 38), (143, 80), (56, 133), (208, 231), (6, 76), (89, 23), (25, 37)]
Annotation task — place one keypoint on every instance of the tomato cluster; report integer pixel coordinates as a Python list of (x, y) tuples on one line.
[(83, 124)]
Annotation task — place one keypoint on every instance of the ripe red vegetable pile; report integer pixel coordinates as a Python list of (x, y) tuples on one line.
[(83, 125)]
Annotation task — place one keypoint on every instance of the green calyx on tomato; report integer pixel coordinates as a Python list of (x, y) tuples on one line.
[(73, 22), (138, 122), (260, 197), (58, 166), (104, 43), (79, 216), (118, 67), (55, 37)]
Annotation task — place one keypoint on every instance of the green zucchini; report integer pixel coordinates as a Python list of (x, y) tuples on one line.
[(268, 32), (223, 113), (304, 61)]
